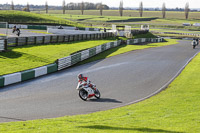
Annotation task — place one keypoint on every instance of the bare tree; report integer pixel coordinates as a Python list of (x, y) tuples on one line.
[(121, 8), (163, 10), (12, 6), (187, 10), (46, 7), (101, 9), (64, 7), (82, 7), (27, 8), (141, 9)]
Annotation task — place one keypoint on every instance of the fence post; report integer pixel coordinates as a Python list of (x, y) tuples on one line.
[(16, 41), (63, 39), (57, 38), (51, 37), (26, 43), (35, 40), (5, 44), (68, 38), (43, 39)]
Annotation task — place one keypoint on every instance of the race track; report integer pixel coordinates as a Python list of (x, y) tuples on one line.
[(121, 80)]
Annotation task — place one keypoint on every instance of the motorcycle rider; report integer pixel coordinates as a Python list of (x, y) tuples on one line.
[(85, 81), (194, 43)]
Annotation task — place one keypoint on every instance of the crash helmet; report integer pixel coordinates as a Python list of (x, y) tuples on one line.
[(80, 76)]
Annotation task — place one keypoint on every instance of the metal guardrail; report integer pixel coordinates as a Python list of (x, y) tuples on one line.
[(142, 40), (80, 56), (188, 34), (33, 40)]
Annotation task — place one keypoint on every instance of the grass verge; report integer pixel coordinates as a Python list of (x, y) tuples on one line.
[(174, 110), (32, 56)]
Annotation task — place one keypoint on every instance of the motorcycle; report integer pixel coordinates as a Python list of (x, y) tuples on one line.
[(85, 91)]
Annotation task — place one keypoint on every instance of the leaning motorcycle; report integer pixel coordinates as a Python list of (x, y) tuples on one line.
[(85, 92)]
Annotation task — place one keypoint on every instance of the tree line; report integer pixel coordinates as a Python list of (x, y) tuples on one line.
[(140, 9), (99, 6)]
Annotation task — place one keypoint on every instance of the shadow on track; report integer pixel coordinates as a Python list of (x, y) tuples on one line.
[(108, 100)]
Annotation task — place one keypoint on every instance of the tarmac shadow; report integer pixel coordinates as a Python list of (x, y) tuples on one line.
[(108, 100)]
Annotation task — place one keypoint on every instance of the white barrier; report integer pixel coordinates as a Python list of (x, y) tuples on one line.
[(40, 71), (2, 45), (12, 78)]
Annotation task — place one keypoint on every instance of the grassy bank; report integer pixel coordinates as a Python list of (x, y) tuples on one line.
[(174, 110), (33, 18), (32, 56)]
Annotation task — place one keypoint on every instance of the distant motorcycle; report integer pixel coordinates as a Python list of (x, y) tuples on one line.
[(194, 43), (86, 92)]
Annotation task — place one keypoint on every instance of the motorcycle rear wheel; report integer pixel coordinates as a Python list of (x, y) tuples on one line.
[(83, 95), (97, 94)]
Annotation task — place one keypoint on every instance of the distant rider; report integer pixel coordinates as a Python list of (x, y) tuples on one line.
[(85, 81)]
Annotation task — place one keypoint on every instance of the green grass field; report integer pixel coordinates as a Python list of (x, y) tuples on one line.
[(32, 56), (128, 13), (27, 17), (174, 110), (173, 20)]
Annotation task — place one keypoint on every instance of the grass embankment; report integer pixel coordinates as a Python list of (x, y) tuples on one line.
[(174, 110), (32, 56), (33, 18)]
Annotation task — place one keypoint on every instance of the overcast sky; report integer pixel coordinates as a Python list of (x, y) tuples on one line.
[(115, 3)]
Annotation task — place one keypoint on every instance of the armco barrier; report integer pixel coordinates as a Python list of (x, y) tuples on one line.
[(142, 40), (80, 56), (19, 41), (188, 34)]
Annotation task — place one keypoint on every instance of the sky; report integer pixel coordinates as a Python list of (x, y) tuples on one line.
[(114, 3)]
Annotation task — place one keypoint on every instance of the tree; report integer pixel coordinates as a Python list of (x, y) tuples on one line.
[(27, 8), (64, 7), (141, 9), (101, 9), (187, 10), (12, 5), (121, 8), (46, 7), (82, 7), (163, 10)]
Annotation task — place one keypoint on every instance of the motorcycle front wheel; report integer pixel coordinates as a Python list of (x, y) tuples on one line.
[(97, 94), (83, 94)]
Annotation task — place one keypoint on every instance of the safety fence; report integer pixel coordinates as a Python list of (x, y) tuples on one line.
[(2, 45), (47, 39), (80, 56), (186, 34), (143, 40)]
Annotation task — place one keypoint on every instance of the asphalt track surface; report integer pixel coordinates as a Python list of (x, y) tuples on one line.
[(121, 79), (24, 32)]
